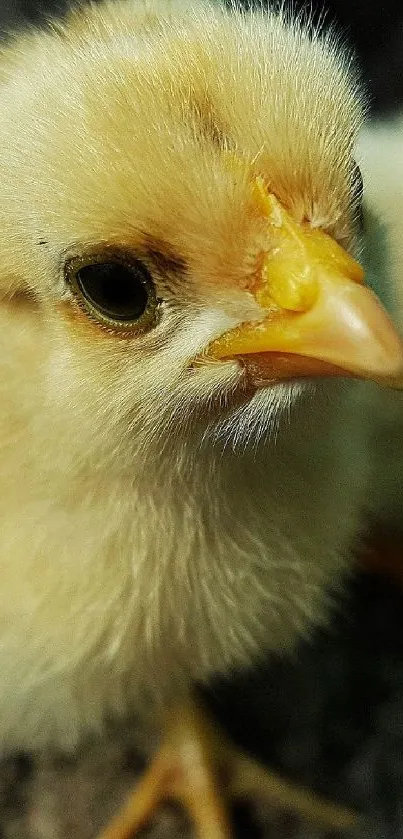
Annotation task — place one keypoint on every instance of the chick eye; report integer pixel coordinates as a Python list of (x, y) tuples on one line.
[(115, 291)]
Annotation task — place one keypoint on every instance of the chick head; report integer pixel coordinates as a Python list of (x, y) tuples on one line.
[(155, 150)]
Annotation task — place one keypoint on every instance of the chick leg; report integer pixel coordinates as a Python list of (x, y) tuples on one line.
[(200, 769), (186, 769)]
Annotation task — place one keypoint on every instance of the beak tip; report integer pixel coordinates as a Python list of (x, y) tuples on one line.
[(391, 366), (394, 378)]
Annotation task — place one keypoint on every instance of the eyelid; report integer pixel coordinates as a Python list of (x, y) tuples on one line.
[(72, 267)]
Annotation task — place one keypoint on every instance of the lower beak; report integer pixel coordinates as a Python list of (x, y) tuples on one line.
[(320, 319)]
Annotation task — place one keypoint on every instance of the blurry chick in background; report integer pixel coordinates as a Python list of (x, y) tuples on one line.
[(381, 160), (381, 153), (183, 468)]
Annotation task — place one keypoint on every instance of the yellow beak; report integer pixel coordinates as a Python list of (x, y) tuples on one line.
[(320, 319)]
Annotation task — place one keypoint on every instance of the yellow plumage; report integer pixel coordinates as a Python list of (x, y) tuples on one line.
[(159, 523)]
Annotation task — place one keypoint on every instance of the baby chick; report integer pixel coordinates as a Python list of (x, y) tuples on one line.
[(182, 468)]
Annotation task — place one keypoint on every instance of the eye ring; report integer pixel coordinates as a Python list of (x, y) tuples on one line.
[(114, 289)]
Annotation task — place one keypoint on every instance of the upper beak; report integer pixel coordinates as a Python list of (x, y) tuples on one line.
[(319, 317)]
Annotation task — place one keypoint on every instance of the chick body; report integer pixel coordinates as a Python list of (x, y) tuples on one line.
[(159, 522)]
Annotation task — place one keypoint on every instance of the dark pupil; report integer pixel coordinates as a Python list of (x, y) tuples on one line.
[(115, 290)]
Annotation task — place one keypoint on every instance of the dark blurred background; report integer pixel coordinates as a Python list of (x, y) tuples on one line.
[(374, 28)]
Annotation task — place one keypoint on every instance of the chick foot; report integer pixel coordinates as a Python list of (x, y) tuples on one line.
[(199, 768)]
